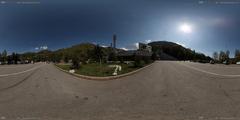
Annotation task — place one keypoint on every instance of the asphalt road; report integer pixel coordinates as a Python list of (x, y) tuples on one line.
[(164, 91)]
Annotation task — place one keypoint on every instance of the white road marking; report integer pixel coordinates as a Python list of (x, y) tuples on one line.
[(211, 73), (11, 74)]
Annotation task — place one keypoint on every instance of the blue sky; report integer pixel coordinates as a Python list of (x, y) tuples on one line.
[(62, 23)]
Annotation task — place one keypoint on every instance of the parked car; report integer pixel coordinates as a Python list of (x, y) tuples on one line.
[(238, 63), (212, 62), (226, 62)]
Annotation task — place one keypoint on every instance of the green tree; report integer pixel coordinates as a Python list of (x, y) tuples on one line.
[(222, 56), (66, 59), (4, 56), (215, 56), (75, 63), (227, 54), (112, 56), (98, 54), (14, 58), (154, 56), (0, 57), (237, 54)]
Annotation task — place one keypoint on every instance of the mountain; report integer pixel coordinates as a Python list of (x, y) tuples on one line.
[(83, 52), (173, 51), (87, 51)]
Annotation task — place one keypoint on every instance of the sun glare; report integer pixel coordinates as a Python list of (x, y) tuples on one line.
[(186, 28)]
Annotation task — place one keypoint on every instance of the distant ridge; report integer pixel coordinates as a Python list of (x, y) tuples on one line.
[(163, 49), (172, 51)]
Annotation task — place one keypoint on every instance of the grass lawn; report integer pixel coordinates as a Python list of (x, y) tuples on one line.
[(95, 69)]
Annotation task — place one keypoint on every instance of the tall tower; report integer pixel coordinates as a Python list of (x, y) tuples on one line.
[(111, 45), (114, 40)]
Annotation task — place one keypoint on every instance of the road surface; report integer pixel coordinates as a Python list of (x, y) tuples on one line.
[(164, 91)]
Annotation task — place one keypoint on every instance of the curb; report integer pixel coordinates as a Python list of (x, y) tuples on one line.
[(105, 78)]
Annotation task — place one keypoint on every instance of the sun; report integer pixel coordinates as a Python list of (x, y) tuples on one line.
[(185, 28)]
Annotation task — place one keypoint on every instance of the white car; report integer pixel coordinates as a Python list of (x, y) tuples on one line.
[(238, 63), (212, 62)]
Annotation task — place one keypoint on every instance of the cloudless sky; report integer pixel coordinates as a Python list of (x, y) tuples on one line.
[(62, 23)]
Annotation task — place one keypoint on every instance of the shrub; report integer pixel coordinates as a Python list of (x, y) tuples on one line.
[(75, 63), (139, 63)]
